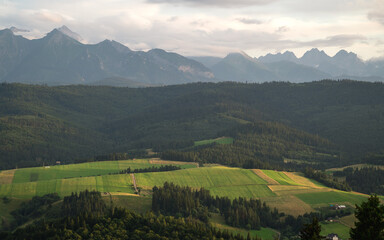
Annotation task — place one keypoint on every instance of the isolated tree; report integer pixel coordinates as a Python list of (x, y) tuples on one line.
[(370, 216), (311, 231)]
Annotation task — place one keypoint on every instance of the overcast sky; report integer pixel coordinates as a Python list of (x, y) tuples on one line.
[(210, 27)]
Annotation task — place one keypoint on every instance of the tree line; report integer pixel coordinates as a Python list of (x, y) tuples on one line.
[(171, 199), (367, 180)]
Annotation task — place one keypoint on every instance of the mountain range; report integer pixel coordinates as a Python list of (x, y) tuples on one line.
[(313, 65), (60, 58)]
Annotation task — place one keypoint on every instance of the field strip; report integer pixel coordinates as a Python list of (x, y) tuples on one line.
[(282, 190), (123, 194), (6, 176), (279, 188), (289, 204), (269, 180), (301, 180), (167, 162)]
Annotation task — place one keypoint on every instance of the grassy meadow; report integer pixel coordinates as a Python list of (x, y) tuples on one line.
[(289, 192)]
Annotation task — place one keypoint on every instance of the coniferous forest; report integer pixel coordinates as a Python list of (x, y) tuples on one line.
[(327, 122)]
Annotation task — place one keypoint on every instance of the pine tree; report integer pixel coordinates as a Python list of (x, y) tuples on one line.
[(370, 216), (311, 231)]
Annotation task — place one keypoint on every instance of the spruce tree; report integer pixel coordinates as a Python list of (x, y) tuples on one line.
[(370, 216), (311, 231)]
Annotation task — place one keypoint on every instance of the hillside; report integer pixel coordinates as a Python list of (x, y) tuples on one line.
[(288, 192), (44, 124)]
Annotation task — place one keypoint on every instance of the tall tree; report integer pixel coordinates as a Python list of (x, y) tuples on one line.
[(311, 231), (370, 216)]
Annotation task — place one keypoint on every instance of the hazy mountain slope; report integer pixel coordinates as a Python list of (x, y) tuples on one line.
[(206, 60), (241, 68), (59, 59), (13, 49), (342, 64), (293, 72)]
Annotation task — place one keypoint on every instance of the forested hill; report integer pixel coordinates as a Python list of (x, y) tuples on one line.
[(44, 124)]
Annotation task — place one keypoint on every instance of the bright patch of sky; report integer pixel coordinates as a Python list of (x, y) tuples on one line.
[(210, 27)]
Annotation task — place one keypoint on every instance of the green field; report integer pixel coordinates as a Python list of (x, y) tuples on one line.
[(321, 198), (264, 233), (222, 140), (288, 192), (209, 177), (341, 230), (81, 170), (64, 187)]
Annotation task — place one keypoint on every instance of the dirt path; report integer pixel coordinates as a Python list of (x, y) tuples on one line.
[(134, 182)]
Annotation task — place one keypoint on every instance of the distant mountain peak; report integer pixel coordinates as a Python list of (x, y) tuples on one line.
[(65, 30), (344, 53), (116, 45), (240, 54), (289, 53), (16, 30), (286, 56)]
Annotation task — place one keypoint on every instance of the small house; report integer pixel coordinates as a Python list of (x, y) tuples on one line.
[(332, 236)]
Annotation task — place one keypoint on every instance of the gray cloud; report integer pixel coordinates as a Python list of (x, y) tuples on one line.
[(249, 20), (342, 40), (376, 16), (215, 3), (282, 29)]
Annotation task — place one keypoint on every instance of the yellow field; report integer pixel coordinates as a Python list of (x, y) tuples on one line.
[(301, 180), (289, 204), (265, 177), (6, 176)]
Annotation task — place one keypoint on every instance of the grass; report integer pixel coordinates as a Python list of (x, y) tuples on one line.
[(64, 187), (249, 191), (264, 233), (82, 170), (341, 230), (288, 192), (209, 177), (279, 177), (331, 197), (221, 140)]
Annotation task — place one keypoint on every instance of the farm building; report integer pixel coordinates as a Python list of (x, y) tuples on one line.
[(332, 236)]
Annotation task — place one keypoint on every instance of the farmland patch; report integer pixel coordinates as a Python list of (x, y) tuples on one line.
[(6, 176)]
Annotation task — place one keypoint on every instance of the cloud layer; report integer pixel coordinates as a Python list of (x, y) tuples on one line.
[(210, 27)]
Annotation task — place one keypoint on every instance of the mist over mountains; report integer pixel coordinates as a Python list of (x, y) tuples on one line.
[(60, 58)]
